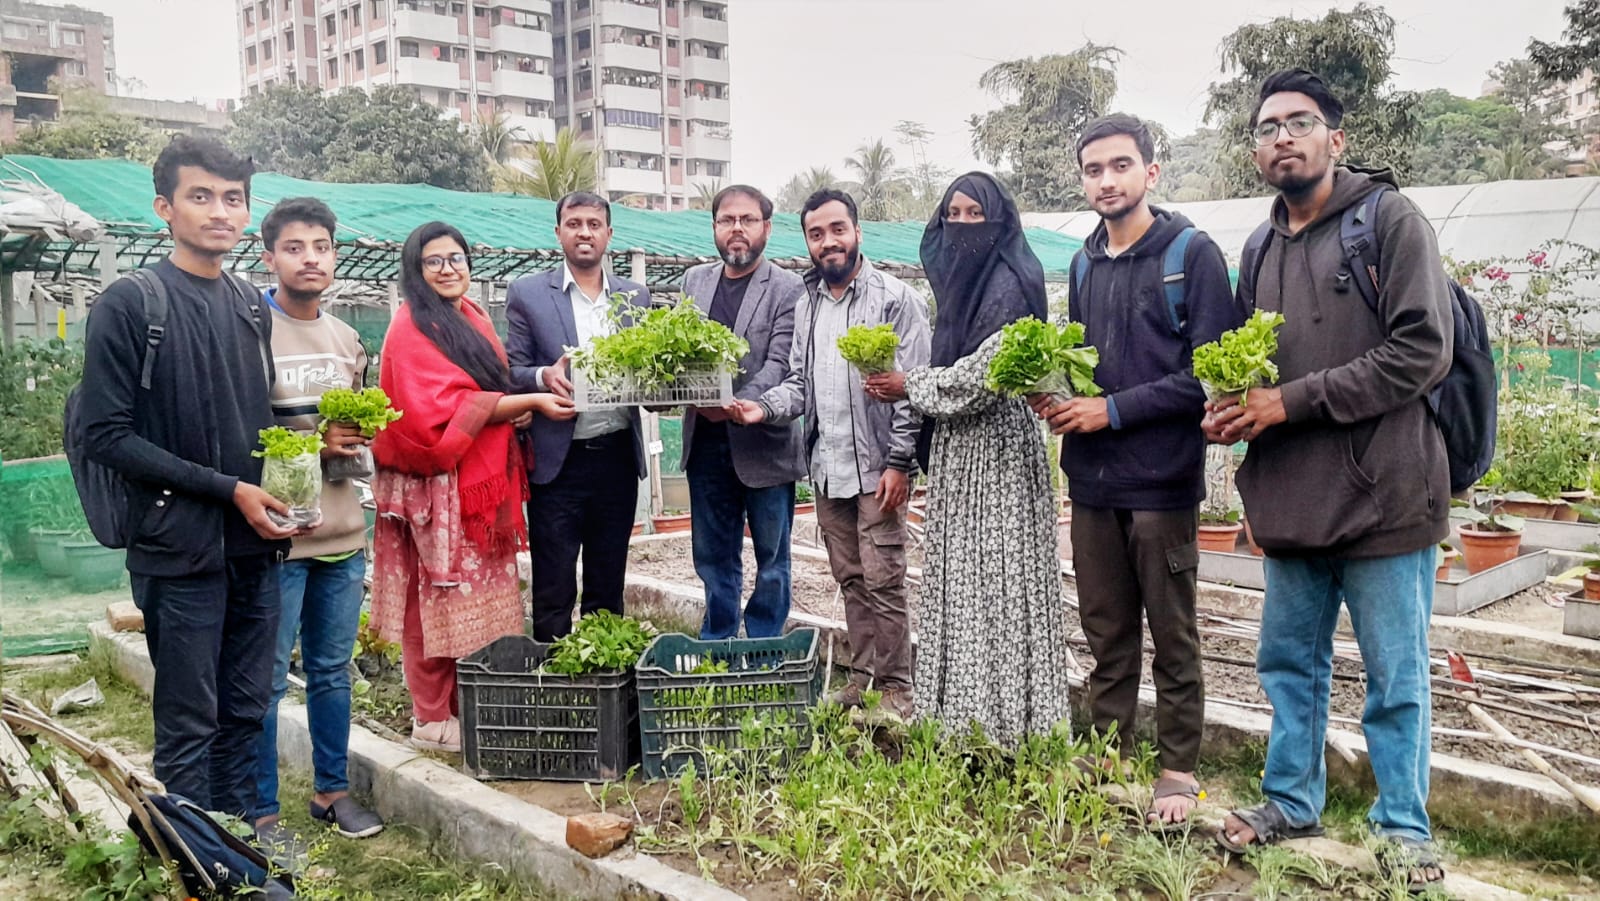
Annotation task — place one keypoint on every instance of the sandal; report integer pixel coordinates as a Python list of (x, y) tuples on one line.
[(1168, 787), (1400, 853), (443, 735), (1269, 826)]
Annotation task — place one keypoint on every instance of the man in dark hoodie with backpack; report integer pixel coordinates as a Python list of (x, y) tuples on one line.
[(1148, 288), (1346, 483)]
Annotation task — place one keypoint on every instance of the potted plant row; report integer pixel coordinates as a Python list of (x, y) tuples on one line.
[(1545, 445), (1490, 536)]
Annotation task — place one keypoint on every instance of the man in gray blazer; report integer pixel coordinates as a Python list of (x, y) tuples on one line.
[(584, 484), (747, 474)]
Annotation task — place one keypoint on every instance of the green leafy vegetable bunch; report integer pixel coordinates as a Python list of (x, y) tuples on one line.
[(1036, 357), (368, 409), (870, 348), (1241, 359), (602, 642), (286, 444), (663, 343)]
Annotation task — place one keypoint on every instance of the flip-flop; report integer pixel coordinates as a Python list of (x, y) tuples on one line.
[(1413, 856), (1168, 787), (1269, 826)]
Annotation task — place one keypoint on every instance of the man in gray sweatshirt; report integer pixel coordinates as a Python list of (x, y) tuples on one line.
[(1346, 483)]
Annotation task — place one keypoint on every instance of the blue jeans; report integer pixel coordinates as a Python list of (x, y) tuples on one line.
[(322, 608), (719, 505), (1390, 600)]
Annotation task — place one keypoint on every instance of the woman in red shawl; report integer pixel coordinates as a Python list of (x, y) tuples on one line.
[(449, 483)]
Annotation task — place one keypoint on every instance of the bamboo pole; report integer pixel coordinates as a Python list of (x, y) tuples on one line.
[(1583, 794)]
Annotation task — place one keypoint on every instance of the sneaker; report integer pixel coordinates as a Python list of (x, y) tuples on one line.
[(282, 846), (347, 818), (444, 735), (847, 697)]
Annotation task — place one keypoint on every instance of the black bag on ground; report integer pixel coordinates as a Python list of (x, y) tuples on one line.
[(212, 862)]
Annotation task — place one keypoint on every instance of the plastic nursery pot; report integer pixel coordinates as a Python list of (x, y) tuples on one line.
[(1450, 558), (1591, 585), (47, 546), (95, 567), (1484, 549), (1223, 536)]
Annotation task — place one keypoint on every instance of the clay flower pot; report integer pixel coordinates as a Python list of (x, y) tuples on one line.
[(1221, 536), (1567, 512), (1485, 549), (1591, 585), (678, 522), (1531, 509), (1450, 558)]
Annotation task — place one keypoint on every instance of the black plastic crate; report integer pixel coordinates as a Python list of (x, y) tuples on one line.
[(520, 723), (682, 713)]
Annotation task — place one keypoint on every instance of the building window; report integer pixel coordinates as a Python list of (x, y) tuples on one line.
[(461, 96), (355, 15), (288, 40), (249, 22), (458, 52), (410, 49), (74, 67), (266, 50), (250, 56), (361, 60), (328, 26), (672, 43), (376, 10), (585, 80), (72, 37), (333, 69), (584, 39), (586, 122), (380, 53), (458, 9), (627, 118), (715, 168)]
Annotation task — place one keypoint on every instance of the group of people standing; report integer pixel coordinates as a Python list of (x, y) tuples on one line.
[(1343, 482)]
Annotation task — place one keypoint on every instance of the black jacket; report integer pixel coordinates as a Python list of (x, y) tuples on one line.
[(166, 442), (1153, 455)]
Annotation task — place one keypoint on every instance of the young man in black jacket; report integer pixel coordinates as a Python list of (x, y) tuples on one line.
[(1134, 457), (201, 547)]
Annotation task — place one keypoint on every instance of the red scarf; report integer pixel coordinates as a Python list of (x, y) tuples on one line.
[(446, 427)]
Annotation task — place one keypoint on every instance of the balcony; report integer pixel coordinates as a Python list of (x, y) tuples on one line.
[(427, 26), (533, 128), (531, 85), (700, 28), (434, 73), (638, 140), (630, 56), (704, 68), (630, 15), (707, 147), (531, 6), (621, 96), (708, 108), (634, 181), (521, 41)]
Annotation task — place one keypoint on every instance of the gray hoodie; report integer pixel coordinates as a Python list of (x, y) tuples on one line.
[(1359, 467)]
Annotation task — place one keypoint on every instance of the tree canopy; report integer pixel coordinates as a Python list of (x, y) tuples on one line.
[(1352, 51), (387, 136), (1579, 47)]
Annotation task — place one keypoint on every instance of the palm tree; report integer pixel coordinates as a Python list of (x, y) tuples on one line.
[(876, 179), (553, 169), (1519, 160), (801, 186), (704, 194), (498, 137)]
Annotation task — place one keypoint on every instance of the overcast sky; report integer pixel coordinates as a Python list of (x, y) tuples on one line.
[(812, 79)]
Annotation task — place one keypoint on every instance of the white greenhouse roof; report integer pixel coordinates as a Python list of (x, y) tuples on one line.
[(1474, 222)]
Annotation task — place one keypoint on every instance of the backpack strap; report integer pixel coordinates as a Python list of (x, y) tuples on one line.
[(1255, 247), (1172, 278), (1358, 234), (155, 319), (1080, 270), (254, 300)]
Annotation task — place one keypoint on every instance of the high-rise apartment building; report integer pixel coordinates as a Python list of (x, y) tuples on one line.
[(48, 48), (644, 81)]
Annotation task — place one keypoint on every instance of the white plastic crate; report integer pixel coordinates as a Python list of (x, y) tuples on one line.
[(695, 388)]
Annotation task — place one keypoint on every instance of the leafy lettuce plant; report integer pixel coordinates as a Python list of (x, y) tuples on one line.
[(870, 348), (602, 642), (291, 471), (367, 409), (662, 344), (1241, 358), (1037, 357)]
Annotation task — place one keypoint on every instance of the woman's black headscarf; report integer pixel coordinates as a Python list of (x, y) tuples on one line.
[(960, 259)]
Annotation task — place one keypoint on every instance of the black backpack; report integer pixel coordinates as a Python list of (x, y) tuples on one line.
[(213, 863), (1463, 403), (102, 491)]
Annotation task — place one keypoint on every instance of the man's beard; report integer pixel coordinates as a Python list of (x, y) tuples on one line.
[(740, 260), (1131, 203), (836, 274), (1295, 184)]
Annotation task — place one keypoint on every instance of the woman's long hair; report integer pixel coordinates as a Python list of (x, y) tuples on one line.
[(449, 330)]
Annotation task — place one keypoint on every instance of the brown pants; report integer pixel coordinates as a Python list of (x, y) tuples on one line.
[(867, 552), (1132, 565)]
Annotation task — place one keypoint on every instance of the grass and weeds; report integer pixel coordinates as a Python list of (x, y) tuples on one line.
[(39, 859)]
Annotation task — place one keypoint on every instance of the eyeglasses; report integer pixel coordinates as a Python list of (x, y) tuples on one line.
[(1297, 126), (457, 261), (726, 223)]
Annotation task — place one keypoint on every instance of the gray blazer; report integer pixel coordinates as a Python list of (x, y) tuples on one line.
[(763, 455), (539, 326)]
